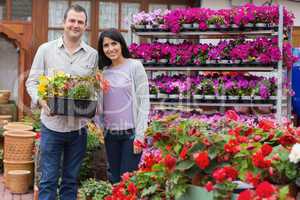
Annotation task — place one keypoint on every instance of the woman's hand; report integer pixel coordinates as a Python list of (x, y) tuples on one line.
[(138, 146)]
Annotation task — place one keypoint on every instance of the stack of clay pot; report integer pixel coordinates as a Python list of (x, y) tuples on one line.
[(4, 96), (18, 153), (4, 119)]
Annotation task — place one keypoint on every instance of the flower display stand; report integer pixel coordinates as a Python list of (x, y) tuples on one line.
[(281, 103)]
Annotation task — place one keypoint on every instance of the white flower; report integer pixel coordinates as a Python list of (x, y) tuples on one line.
[(294, 156)]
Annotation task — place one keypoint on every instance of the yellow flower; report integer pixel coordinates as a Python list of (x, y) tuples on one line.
[(43, 80), (61, 74), (43, 85), (42, 90)]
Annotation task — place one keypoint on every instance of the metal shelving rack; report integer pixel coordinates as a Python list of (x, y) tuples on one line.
[(278, 103)]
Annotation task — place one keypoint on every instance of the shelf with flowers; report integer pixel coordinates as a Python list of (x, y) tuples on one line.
[(217, 157), (260, 54), (250, 117), (71, 95), (259, 42), (257, 20), (229, 88)]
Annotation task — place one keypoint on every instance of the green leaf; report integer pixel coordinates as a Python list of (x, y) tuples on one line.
[(291, 171), (177, 148), (179, 191), (185, 165), (148, 191), (192, 171), (157, 126), (213, 152), (283, 154), (196, 148), (158, 167), (283, 192)]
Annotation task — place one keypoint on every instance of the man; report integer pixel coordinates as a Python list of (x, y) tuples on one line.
[(62, 136)]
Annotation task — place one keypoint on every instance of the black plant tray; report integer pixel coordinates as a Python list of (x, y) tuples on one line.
[(214, 100), (249, 64), (72, 107), (241, 28)]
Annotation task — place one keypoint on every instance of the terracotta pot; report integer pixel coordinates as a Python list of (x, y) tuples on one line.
[(18, 126), (4, 119), (4, 96), (18, 145), (18, 165), (18, 181), (5, 93)]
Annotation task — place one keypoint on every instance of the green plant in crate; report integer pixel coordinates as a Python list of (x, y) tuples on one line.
[(81, 91), (94, 141), (97, 190)]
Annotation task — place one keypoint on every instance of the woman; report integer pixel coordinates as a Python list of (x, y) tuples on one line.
[(125, 106)]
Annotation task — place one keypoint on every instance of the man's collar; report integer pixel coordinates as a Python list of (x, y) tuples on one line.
[(82, 45)]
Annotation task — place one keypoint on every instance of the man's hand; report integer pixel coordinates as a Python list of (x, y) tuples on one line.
[(45, 107)]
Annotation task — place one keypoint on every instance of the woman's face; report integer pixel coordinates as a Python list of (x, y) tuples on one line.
[(112, 49)]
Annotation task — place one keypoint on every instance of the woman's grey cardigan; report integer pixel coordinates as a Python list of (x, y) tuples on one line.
[(140, 94)]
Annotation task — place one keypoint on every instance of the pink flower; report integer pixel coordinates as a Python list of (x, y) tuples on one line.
[(209, 186)]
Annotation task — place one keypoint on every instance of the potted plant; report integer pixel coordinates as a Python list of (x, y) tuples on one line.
[(198, 92), (200, 53), (215, 22), (70, 95), (94, 190), (208, 89), (139, 20), (153, 90)]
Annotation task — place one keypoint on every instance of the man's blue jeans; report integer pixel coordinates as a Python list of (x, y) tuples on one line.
[(54, 145), (120, 156)]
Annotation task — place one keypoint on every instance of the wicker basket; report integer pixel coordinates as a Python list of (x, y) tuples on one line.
[(18, 145), (18, 165), (18, 181), (18, 126)]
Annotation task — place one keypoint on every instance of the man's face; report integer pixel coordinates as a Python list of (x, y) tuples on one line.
[(74, 25)]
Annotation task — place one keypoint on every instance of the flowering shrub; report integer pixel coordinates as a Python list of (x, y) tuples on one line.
[(192, 152), (240, 16)]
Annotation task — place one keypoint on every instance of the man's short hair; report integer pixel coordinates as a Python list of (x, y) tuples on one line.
[(76, 8)]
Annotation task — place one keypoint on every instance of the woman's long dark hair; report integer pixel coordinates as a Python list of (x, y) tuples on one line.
[(115, 35)]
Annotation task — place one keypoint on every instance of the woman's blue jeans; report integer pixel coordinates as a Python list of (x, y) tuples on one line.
[(61, 156), (120, 156)]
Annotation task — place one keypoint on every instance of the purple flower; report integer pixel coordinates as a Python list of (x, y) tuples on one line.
[(264, 91)]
